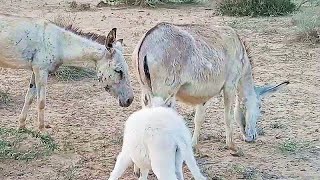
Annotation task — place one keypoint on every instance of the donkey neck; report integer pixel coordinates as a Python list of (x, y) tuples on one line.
[(73, 47)]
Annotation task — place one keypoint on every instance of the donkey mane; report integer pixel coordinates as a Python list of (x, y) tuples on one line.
[(101, 39), (248, 50)]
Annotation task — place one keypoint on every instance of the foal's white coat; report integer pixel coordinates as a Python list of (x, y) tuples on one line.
[(157, 138), (42, 46)]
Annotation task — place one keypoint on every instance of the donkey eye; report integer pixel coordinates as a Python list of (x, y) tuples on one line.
[(120, 73)]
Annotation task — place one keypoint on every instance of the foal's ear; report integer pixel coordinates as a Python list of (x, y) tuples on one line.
[(111, 38), (263, 91)]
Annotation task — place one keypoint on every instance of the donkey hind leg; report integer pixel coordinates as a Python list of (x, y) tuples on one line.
[(198, 121), (229, 100), (27, 102), (239, 117), (122, 163), (41, 77)]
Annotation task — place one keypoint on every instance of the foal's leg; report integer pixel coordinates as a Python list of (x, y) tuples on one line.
[(179, 164), (27, 102), (41, 77), (136, 170), (198, 121), (229, 99), (144, 174)]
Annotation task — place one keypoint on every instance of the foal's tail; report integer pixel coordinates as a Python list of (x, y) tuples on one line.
[(188, 156)]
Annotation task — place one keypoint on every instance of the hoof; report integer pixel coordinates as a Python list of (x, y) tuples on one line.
[(196, 150), (231, 146), (249, 139), (22, 127), (237, 153), (42, 130), (48, 126)]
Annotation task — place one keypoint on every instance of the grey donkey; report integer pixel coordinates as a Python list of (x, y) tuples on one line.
[(196, 63), (42, 46)]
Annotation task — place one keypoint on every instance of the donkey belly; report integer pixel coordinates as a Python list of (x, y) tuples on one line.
[(194, 94), (18, 42)]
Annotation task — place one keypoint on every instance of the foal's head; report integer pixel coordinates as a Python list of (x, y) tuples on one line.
[(112, 70)]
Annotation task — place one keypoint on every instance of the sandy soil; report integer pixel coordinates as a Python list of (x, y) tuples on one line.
[(88, 123)]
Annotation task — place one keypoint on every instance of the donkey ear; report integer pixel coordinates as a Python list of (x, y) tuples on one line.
[(111, 38), (169, 101), (147, 97), (120, 41), (119, 45), (269, 89)]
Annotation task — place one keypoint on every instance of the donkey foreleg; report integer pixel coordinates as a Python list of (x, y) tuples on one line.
[(198, 121), (229, 100), (41, 77), (27, 102), (250, 119), (239, 117)]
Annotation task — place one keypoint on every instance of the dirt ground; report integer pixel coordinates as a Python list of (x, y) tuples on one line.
[(88, 123)]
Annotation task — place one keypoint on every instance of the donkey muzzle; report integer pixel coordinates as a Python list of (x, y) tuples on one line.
[(126, 103)]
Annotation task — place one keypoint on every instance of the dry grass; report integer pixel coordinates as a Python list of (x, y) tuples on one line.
[(24, 145), (4, 97), (308, 25), (80, 6), (73, 73), (150, 3)]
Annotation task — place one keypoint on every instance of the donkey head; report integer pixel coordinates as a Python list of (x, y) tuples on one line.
[(261, 92), (112, 71)]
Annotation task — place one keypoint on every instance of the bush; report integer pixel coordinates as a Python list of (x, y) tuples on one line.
[(256, 7), (151, 3), (25, 144), (308, 24)]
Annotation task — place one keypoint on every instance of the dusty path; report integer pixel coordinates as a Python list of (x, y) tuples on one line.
[(88, 123)]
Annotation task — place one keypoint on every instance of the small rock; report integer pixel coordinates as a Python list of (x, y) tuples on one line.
[(20, 174), (278, 136)]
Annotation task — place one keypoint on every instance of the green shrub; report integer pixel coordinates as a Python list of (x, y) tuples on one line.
[(256, 7), (25, 144), (151, 3), (308, 25)]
